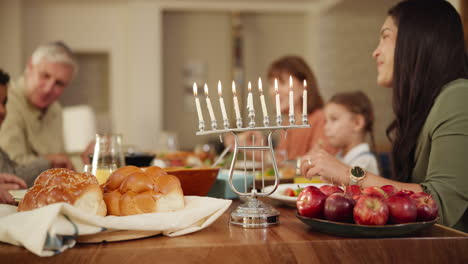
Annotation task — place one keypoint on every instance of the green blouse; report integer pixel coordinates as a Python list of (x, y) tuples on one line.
[(441, 156)]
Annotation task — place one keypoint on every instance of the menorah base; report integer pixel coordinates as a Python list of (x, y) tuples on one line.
[(255, 214)]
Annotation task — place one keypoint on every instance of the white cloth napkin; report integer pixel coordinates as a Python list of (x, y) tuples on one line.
[(54, 228)]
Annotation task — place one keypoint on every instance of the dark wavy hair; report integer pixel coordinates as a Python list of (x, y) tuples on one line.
[(4, 78), (297, 67), (429, 53)]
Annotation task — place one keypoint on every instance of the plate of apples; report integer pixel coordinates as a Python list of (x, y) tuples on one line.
[(371, 212)]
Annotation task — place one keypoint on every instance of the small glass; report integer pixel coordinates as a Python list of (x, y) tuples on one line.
[(107, 156), (102, 172)]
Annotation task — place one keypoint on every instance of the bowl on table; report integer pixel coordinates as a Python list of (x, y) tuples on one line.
[(195, 181), (139, 159)]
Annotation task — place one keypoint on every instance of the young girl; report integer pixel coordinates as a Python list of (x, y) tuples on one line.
[(349, 118)]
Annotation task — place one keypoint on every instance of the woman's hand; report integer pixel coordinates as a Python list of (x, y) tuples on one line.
[(11, 182), (321, 163)]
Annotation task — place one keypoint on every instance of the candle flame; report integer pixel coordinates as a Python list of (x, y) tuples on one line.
[(249, 87), (206, 89), (234, 88), (260, 88), (290, 82), (276, 85), (305, 83), (195, 89), (219, 88)]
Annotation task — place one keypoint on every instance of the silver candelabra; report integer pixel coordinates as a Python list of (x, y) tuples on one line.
[(254, 213)]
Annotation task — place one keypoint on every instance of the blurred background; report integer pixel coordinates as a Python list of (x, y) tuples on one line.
[(138, 59)]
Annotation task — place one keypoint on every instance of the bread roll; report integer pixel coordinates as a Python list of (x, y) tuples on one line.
[(131, 190), (62, 185)]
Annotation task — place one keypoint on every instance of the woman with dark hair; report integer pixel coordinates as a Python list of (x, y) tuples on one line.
[(422, 57)]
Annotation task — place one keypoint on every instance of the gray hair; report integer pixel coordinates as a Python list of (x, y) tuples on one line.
[(55, 52)]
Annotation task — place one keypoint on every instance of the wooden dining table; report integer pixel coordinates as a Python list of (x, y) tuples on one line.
[(290, 242)]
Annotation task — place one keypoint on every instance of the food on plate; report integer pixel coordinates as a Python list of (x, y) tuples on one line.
[(371, 206), (339, 207), (402, 208), (330, 189), (426, 206), (370, 210), (389, 189), (311, 202), (353, 191), (62, 185), (375, 191), (131, 190), (292, 192)]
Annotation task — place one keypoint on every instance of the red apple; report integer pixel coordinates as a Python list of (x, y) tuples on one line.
[(330, 189), (353, 191), (389, 190), (339, 207), (370, 210), (402, 208), (310, 202), (405, 192), (374, 191), (427, 209)]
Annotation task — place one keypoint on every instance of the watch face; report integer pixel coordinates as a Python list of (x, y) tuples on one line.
[(357, 172)]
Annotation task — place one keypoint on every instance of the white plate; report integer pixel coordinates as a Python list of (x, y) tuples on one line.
[(18, 194), (288, 200)]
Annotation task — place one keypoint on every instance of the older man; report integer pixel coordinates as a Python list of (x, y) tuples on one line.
[(33, 126)]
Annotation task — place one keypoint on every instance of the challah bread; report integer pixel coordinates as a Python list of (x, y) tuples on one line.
[(62, 185), (131, 190)]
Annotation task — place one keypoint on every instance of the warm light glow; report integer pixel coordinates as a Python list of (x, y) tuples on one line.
[(234, 88), (260, 88), (305, 84), (290, 82), (206, 89), (219, 88), (195, 89), (276, 85), (249, 87)]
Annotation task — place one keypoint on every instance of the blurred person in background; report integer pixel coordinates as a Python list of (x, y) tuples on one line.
[(297, 142), (33, 128), (349, 120), (8, 181)]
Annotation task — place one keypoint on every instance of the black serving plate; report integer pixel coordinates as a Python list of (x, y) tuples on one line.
[(354, 230)]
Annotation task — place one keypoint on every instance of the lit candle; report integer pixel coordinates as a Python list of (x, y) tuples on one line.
[(250, 106), (208, 103), (278, 106), (291, 97), (197, 102), (262, 98), (221, 101), (236, 102), (304, 99)]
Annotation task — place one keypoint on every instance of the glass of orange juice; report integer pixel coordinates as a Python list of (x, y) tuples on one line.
[(102, 172)]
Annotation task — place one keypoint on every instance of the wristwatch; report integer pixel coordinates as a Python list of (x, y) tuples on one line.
[(356, 174)]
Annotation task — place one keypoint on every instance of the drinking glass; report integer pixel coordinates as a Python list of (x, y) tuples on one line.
[(102, 172), (107, 156)]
